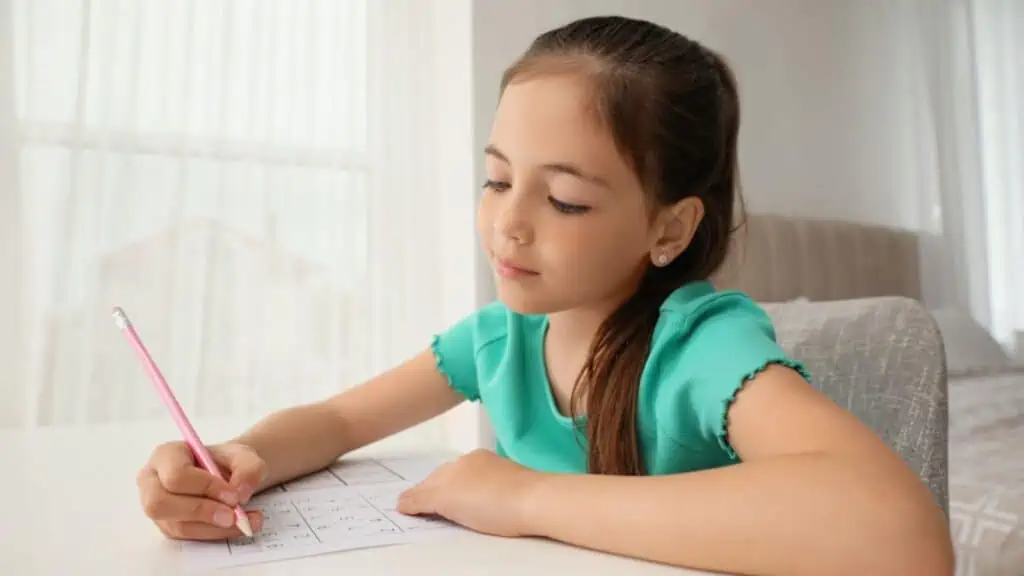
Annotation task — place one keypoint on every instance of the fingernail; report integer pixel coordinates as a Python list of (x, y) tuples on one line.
[(244, 493), (223, 518), (229, 498)]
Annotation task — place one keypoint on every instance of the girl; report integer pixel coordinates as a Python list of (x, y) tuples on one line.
[(610, 367)]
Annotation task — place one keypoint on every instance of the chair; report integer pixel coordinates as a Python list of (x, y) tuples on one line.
[(883, 360)]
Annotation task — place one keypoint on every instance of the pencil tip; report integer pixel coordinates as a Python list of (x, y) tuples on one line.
[(245, 527)]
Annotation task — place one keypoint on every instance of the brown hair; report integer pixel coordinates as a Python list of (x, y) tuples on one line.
[(672, 108)]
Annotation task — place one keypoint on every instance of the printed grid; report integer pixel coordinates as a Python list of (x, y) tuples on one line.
[(294, 514), (310, 518)]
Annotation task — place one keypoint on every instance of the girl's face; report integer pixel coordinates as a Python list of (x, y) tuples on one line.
[(563, 218)]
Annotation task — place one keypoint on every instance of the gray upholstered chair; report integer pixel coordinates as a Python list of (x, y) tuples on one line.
[(882, 359)]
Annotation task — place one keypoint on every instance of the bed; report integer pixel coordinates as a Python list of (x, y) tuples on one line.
[(781, 259)]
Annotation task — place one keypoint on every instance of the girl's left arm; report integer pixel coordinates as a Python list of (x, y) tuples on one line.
[(817, 492)]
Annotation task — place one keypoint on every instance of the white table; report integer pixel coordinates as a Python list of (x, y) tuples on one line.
[(72, 508)]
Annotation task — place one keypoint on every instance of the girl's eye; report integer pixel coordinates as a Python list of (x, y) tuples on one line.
[(496, 186), (566, 208)]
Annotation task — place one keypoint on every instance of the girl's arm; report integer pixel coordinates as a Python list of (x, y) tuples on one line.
[(817, 493), (306, 438)]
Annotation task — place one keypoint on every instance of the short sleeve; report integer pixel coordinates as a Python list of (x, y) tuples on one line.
[(456, 349), (706, 356)]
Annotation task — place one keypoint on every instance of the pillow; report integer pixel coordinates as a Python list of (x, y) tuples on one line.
[(970, 348)]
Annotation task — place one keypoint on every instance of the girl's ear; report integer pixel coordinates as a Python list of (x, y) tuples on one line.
[(675, 228)]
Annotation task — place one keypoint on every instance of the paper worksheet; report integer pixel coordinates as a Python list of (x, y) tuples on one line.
[(349, 506)]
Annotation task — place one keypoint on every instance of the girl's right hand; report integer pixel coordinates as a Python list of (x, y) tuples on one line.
[(187, 502)]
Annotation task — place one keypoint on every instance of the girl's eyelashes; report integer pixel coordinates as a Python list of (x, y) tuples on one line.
[(566, 208), (563, 207), (496, 185)]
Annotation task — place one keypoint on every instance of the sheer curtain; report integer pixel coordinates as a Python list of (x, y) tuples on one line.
[(974, 103), (997, 28), (254, 182)]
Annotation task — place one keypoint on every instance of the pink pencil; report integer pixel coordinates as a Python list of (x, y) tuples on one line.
[(191, 438)]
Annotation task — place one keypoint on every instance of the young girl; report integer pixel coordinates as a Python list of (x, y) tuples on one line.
[(610, 367)]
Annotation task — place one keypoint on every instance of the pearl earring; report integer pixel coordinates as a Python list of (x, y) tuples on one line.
[(662, 260)]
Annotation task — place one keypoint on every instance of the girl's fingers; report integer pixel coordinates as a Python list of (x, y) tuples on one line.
[(189, 479), (160, 504), (246, 470), (172, 463), (203, 531), (166, 506)]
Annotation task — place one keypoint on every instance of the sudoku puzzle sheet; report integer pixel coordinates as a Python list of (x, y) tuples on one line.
[(351, 505)]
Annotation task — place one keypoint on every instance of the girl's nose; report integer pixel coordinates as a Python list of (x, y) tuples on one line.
[(512, 222)]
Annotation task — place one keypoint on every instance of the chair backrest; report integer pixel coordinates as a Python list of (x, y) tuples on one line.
[(883, 360)]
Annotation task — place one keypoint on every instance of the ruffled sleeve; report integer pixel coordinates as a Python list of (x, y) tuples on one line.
[(456, 349), (703, 357)]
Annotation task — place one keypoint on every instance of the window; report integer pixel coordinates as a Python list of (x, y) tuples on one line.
[(251, 181)]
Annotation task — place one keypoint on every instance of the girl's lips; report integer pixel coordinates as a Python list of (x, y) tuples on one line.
[(508, 269)]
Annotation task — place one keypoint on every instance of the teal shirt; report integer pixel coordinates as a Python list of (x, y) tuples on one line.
[(706, 345)]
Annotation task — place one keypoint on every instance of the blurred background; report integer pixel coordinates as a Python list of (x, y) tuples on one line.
[(281, 193)]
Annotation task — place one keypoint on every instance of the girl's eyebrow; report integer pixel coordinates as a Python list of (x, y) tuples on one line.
[(559, 167)]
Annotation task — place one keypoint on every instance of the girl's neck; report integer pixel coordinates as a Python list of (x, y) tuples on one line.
[(573, 331), (567, 341), (566, 346)]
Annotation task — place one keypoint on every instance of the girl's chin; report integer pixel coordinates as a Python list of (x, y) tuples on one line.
[(527, 300)]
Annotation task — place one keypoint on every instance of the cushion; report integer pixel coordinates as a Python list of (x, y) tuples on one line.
[(881, 359)]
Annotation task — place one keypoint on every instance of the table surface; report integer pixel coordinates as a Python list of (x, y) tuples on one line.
[(72, 506)]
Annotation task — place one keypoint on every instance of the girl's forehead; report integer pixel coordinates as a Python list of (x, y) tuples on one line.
[(562, 99), (551, 115)]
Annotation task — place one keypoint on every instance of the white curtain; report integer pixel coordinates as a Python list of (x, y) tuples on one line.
[(972, 53), (252, 181), (998, 42)]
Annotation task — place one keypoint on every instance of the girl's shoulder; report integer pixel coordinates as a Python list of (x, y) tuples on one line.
[(701, 308), (706, 345), (485, 328)]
